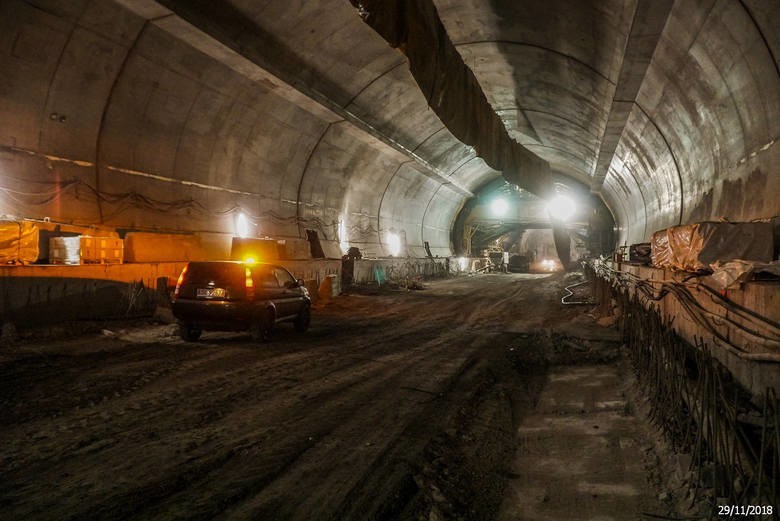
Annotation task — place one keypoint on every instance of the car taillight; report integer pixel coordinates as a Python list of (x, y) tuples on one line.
[(178, 282), (250, 286)]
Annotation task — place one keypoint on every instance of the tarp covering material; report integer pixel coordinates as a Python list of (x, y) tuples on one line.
[(693, 247), (452, 90), (18, 242), (732, 274), (162, 247), (639, 253)]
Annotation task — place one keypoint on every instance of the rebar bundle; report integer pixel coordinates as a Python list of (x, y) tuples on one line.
[(732, 436)]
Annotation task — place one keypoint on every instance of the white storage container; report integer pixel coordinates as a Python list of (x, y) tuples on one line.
[(65, 250)]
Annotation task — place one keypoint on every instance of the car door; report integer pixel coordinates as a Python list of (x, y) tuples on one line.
[(291, 296), (267, 287)]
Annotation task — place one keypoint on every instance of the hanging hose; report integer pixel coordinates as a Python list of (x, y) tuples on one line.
[(570, 293)]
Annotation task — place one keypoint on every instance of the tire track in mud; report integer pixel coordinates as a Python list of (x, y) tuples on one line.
[(350, 449), (245, 375), (226, 429), (359, 385), (332, 419), (153, 389)]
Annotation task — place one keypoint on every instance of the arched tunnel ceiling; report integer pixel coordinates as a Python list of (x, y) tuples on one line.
[(550, 78), (668, 109), (177, 114)]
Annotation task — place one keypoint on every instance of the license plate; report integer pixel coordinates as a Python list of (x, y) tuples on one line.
[(211, 293)]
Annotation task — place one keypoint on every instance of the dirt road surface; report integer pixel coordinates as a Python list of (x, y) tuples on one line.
[(395, 405)]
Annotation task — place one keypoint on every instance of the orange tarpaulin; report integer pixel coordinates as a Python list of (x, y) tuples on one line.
[(693, 247), (18, 242)]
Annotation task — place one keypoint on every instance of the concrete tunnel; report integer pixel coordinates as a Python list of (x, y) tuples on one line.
[(389, 126), (174, 116)]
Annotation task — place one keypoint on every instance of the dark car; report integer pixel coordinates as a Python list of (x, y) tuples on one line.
[(237, 296)]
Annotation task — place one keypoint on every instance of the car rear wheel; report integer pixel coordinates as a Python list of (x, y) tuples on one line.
[(261, 328), (189, 333), (303, 319)]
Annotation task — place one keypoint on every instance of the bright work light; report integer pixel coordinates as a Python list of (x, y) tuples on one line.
[(561, 207), (242, 226), (499, 207), (343, 243), (393, 244)]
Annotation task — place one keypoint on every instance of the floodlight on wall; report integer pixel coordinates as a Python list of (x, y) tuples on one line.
[(393, 244), (242, 226), (499, 207), (343, 243), (561, 207)]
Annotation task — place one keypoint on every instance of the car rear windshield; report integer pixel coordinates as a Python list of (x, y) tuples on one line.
[(220, 273)]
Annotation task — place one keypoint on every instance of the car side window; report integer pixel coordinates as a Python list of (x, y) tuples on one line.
[(264, 277), (284, 278)]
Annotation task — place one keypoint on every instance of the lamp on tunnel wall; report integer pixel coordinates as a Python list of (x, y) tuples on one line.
[(242, 226), (499, 207), (393, 244), (343, 243), (561, 207)]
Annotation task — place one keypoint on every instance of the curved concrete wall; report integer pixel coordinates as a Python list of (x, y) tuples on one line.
[(677, 102), (178, 115), (701, 140), (124, 114)]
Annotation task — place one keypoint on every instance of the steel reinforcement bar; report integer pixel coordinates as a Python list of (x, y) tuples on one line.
[(732, 437)]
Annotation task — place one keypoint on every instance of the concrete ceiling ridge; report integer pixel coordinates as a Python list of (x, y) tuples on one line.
[(558, 59), (647, 27)]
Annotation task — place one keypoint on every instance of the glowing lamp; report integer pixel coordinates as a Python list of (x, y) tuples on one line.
[(499, 207), (393, 244), (242, 226), (343, 243), (560, 207)]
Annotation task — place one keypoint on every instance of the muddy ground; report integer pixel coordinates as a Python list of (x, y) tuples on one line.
[(394, 405)]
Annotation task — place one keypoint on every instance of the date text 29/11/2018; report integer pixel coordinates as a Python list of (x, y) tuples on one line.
[(727, 511)]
